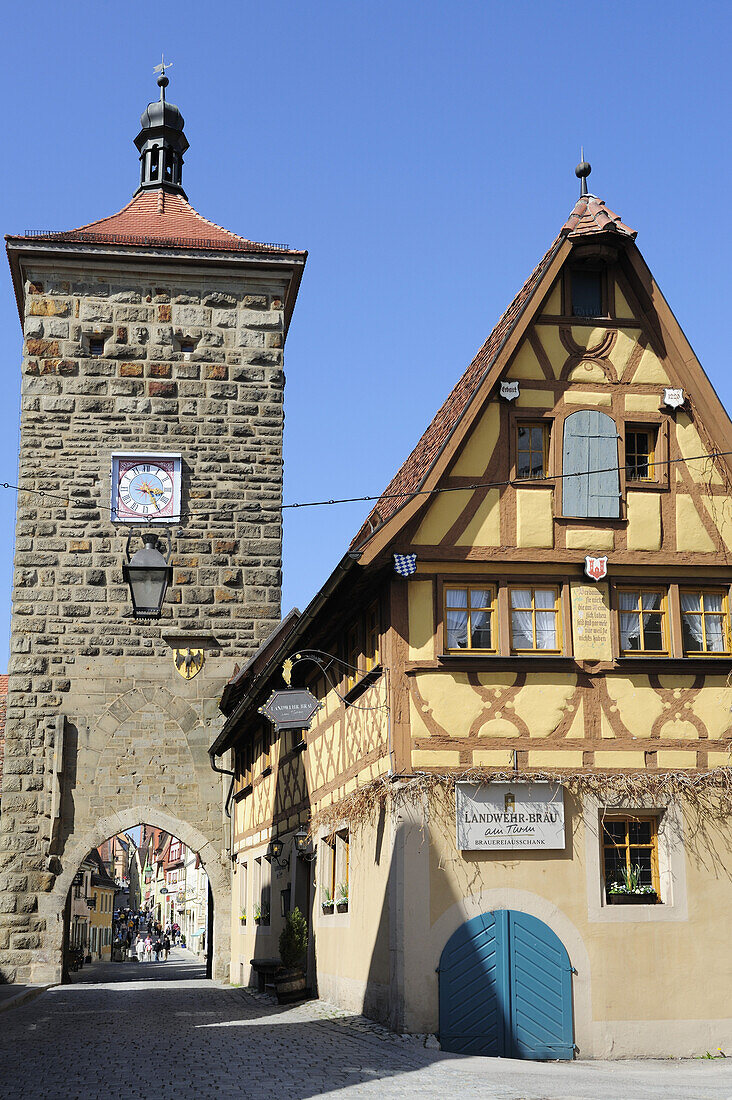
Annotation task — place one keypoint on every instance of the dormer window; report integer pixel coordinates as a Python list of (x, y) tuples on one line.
[(96, 346), (587, 293)]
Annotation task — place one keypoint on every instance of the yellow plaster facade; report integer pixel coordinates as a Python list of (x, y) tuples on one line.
[(535, 669)]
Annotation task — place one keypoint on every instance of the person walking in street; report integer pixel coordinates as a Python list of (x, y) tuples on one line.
[(166, 946), (148, 948), (140, 948), (157, 948)]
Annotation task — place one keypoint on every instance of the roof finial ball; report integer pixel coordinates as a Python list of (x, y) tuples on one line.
[(582, 171)]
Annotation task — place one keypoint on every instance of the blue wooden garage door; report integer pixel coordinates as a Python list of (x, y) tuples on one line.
[(506, 989)]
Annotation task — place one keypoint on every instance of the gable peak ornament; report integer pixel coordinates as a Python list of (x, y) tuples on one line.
[(188, 662), (596, 568), (509, 390), (674, 398)]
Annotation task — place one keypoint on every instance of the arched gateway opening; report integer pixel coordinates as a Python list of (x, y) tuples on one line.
[(67, 898), (140, 896)]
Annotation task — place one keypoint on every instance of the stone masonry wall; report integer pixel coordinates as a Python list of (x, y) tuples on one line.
[(73, 641)]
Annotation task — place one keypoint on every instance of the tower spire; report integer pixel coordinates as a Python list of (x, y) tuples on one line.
[(161, 141), (582, 171)]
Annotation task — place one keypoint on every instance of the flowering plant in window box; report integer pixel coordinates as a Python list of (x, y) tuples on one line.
[(342, 899), (327, 903), (261, 914), (631, 890), (243, 916)]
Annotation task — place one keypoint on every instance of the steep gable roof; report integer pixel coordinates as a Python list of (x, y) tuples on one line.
[(411, 475), (590, 218)]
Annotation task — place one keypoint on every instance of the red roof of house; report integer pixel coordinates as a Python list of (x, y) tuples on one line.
[(159, 218), (589, 216)]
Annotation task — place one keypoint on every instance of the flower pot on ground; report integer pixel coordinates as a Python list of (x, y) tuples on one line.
[(290, 979)]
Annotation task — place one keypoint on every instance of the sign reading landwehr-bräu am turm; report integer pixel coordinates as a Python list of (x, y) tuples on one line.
[(503, 815)]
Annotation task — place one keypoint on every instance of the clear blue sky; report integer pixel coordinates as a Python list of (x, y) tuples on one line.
[(424, 154)]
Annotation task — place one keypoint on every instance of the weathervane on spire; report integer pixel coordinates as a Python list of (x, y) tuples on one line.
[(582, 171), (162, 79)]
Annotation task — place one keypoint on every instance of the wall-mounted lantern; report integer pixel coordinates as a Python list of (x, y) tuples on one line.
[(303, 845), (274, 852), (148, 574)]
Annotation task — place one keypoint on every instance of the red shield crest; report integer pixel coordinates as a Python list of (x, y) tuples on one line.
[(596, 567)]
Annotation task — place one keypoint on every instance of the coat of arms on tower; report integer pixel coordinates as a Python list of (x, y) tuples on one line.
[(189, 662)]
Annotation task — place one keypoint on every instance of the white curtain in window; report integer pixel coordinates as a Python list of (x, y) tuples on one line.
[(714, 622), (692, 619), (546, 624), (457, 618), (480, 623), (629, 621), (522, 631), (457, 629)]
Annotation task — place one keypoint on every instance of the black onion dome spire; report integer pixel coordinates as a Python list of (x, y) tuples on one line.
[(161, 143)]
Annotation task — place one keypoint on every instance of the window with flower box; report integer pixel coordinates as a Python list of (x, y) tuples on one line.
[(630, 858)]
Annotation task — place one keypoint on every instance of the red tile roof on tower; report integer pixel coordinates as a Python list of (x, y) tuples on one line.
[(159, 218), (590, 216)]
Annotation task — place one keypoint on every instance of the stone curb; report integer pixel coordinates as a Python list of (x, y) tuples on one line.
[(21, 998)]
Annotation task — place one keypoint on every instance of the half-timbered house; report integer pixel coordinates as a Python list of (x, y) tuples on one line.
[(534, 622)]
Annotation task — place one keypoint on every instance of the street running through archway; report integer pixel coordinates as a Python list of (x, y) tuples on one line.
[(160, 1030)]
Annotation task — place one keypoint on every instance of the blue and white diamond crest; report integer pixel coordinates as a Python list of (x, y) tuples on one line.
[(405, 564)]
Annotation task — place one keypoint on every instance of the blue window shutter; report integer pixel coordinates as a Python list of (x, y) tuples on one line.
[(590, 443)]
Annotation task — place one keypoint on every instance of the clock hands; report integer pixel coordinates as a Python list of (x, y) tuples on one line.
[(151, 492)]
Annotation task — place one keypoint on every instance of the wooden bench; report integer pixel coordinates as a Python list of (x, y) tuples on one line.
[(265, 970)]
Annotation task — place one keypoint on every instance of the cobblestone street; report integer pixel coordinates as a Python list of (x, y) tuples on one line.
[(112, 1039)]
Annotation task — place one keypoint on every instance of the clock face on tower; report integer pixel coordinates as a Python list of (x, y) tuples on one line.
[(145, 488)]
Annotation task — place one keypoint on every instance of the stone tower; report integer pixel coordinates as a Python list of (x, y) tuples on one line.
[(153, 341)]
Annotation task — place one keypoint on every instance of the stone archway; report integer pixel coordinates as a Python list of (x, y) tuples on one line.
[(51, 905)]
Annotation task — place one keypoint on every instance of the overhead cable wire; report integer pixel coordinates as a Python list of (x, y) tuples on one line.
[(405, 495)]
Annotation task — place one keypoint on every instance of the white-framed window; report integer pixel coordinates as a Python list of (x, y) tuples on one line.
[(335, 867), (610, 844)]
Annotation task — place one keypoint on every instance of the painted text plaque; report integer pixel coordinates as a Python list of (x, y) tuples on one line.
[(503, 815), (591, 635)]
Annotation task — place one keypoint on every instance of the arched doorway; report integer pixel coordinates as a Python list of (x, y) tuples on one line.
[(140, 894), (506, 989), (53, 907)]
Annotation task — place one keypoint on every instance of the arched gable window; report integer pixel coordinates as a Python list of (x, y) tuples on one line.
[(590, 444), (154, 162)]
